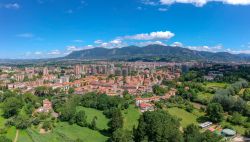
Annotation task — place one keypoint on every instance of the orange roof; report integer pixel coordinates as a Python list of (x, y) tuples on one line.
[(144, 105)]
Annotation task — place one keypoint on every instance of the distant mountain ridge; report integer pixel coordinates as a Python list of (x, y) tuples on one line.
[(155, 53)]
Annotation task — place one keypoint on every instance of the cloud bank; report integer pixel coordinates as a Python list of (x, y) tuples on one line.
[(200, 3), (159, 35)]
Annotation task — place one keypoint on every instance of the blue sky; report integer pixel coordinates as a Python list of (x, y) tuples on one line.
[(52, 28)]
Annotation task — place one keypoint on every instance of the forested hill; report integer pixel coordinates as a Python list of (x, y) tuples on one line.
[(155, 53)]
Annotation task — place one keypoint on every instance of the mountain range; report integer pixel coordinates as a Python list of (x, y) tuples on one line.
[(155, 53)]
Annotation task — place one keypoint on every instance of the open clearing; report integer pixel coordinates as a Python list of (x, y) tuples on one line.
[(186, 117)]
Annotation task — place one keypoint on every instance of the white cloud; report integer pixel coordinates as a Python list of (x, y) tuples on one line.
[(25, 35), (159, 35), (149, 43), (162, 9), (12, 6), (54, 52), (200, 3), (98, 41), (149, 2), (104, 44), (88, 47), (77, 40), (73, 48), (216, 48), (116, 41), (238, 51), (177, 44), (28, 53), (38, 53)]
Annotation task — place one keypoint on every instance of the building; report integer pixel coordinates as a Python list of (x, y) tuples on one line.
[(64, 79), (77, 69), (146, 107), (45, 71), (19, 77), (47, 106)]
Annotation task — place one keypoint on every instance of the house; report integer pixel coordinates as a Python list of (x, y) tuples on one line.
[(47, 107), (146, 107), (146, 100)]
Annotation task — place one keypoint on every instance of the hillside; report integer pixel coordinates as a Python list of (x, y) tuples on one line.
[(155, 53)]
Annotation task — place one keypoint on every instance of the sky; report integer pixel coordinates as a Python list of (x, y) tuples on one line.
[(53, 28)]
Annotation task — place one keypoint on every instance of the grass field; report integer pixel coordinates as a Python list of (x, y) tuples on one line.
[(24, 136), (205, 96), (215, 85), (2, 120), (186, 117), (11, 133), (102, 121), (63, 132), (131, 116)]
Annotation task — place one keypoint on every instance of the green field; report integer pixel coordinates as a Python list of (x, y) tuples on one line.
[(24, 136), (131, 116), (2, 120), (215, 85), (102, 121), (186, 117), (205, 96), (63, 132)]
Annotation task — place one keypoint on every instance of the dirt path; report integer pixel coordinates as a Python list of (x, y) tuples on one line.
[(17, 134)]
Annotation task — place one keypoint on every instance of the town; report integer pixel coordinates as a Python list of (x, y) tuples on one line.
[(147, 86), (124, 71)]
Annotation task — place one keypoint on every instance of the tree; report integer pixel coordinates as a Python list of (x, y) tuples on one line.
[(4, 139), (47, 125), (158, 126), (71, 90), (43, 91), (93, 124), (68, 111), (246, 95), (116, 121), (81, 118), (207, 136), (21, 122), (158, 90), (192, 134), (215, 112), (121, 135), (11, 107), (247, 133), (236, 119)]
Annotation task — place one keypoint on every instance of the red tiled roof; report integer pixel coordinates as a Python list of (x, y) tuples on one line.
[(144, 105)]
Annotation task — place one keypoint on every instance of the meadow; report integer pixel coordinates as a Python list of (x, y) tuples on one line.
[(64, 132), (186, 117)]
